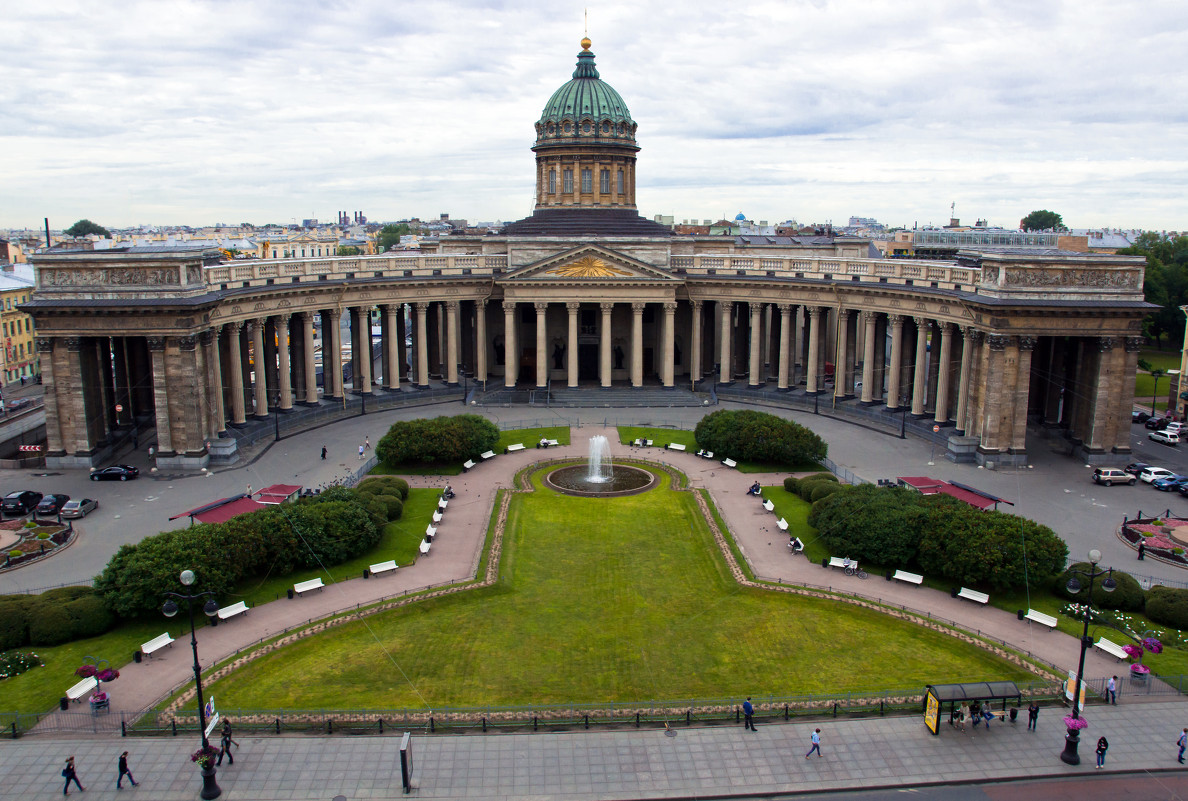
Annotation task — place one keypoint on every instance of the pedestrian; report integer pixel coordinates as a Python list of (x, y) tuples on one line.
[(816, 738), (124, 770), (748, 715), (360, 451), (323, 453), (1182, 742), (70, 776), (1112, 689), (225, 743), (1103, 745), (1142, 549), (1032, 715)]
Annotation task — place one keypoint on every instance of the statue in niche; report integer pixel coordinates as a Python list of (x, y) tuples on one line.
[(499, 350), (558, 354), (618, 357)]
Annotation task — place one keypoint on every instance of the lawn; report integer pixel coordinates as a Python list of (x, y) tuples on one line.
[(604, 600), (663, 436)]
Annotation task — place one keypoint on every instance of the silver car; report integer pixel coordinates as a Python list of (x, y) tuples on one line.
[(79, 507)]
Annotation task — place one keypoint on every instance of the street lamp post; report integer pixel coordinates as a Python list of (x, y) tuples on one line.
[(1072, 738), (210, 788)]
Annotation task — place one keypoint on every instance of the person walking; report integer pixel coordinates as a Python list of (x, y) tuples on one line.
[(1032, 715), (323, 453), (225, 743), (70, 776), (748, 715), (124, 771), (1182, 742), (816, 739), (1103, 745), (1112, 689)]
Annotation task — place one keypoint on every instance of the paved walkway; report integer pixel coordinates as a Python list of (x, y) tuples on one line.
[(629, 764)]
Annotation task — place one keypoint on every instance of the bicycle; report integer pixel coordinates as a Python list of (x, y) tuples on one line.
[(856, 571)]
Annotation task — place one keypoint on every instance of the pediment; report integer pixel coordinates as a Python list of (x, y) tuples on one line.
[(589, 263)]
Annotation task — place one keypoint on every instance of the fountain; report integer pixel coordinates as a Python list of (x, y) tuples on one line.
[(598, 476)]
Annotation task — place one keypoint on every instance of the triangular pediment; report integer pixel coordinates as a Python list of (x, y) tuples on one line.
[(589, 263)]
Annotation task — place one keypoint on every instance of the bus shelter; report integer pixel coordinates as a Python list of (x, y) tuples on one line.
[(937, 696)]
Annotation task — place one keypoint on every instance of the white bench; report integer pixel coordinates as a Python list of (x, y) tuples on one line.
[(1112, 648), (973, 595), (76, 692), (306, 586), (430, 532), (519, 446), (469, 463), (768, 505), (730, 463), (675, 446), (1040, 617), (383, 567), (437, 516), (911, 578), (782, 524), (425, 544), (840, 561), (232, 610), (485, 455), (156, 644)]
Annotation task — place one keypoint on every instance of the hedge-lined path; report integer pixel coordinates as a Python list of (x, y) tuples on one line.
[(456, 549)]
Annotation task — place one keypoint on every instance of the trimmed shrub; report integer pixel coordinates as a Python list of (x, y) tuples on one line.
[(442, 439), (1127, 597), (1167, 606), (791, 484), (758, 437)]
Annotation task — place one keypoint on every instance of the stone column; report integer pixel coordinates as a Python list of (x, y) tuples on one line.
[(667, 369), (695, 343), (637, 310), (282, 336), (260, 384), (840, 368), (756, 342), (156, 347), (814, 350), (572, 344), (893, 369), (422, 308), (452, 343), (511, 362), (542, 356), (942, 376), (234, 350), (214, 381), (870, 322), (785, 346), (604, 344), (480, 341), (311, 370), (726, 374)]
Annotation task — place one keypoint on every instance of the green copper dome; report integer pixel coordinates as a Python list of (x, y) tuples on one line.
[(586, 107)]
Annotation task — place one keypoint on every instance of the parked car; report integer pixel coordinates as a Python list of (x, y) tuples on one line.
[(50, 505), (117, 472), (20, 502), (1170, 483), (1156, 423), (1139, 417), (1112, 475), (1134, 468), (80, 507), (1165, 437), (1151, 473)]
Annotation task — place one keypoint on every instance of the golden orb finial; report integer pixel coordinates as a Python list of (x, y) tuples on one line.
[(586, 43)]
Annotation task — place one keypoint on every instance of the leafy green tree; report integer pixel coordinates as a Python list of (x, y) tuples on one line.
[(389, 235), (1042, 220), (85, 227)]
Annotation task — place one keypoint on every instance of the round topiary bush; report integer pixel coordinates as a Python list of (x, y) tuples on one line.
[(1168, 606), (1128, 597)]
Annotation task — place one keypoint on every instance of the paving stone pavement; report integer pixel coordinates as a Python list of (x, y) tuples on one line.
[(621, 764)]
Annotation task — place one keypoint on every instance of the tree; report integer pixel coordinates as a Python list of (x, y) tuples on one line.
[(389, 236), (1042, 220), (348, 250), (84, 227)]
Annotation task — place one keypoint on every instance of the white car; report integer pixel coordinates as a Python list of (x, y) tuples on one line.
[(1152, 473), (1165, 437)]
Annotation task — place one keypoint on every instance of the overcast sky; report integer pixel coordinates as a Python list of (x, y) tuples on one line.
[(202, 112)]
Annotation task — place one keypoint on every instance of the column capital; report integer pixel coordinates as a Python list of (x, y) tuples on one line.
[(187, 342), (997, 341), (1027, 342), (1105, 343), (1134, 344), (607, 308), (541, 306), (572, 307), (509, 306)]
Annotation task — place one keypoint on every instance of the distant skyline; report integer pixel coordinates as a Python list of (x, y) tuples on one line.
[(169, 113)]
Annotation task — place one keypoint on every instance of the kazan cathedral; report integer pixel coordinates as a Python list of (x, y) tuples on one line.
[(585, 302)]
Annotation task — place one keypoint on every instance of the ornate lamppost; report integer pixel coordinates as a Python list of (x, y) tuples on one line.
[(1072, 738), (210, 788)]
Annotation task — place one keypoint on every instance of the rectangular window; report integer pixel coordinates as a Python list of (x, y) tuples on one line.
[(620, 182), (587, 180), (552, 182), (604, 182), (567, 177)]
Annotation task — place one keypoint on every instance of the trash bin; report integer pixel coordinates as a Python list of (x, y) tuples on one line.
[(137, 656), (64, 703)]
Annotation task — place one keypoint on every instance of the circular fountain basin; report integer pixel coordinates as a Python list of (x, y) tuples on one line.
[(574, 480)]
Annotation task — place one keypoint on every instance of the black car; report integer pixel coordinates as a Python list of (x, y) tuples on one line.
[(20, 503), (1134, 468), (1139, 417), (50, 505), (117, 472)]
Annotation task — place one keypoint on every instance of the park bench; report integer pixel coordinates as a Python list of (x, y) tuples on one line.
[(485, 455), (437, 516), (430, 532), (469, 463), (519, 446), (383, 567), (1112, 648), (306, 586), (730, 463), (911, 578), (675, 446), (231, 611), (782, 524), (156, 644), (1040, 617), (973, 595), (425, 544), (769, 506), (840, 561), (76, 692)]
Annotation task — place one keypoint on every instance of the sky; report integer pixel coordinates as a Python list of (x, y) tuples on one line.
[(228, 111)]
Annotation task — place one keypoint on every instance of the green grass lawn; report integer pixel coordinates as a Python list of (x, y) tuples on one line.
[(604, 600), (661, 437)]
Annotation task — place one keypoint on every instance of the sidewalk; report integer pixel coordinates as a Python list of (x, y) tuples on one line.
[(629, 764)]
